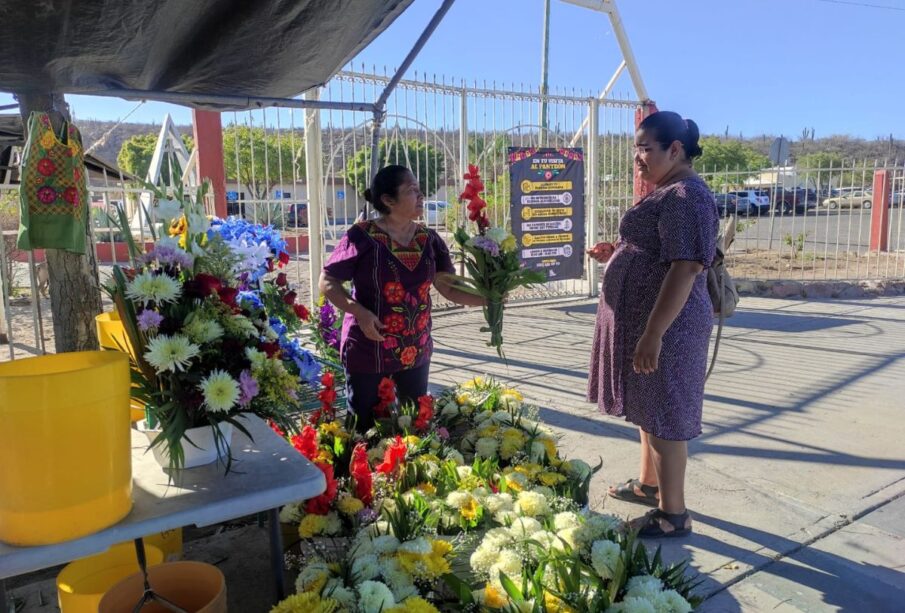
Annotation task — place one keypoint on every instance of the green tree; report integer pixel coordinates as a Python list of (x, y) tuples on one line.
[(136, 152), (425, 161), (720, 155), (829, 169), (263, 158)]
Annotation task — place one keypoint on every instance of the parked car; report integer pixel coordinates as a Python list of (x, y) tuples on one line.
[(435, 212), (799, 200), (848, 198), (756, 201), (297, 215), (897, 199), (728, 204)]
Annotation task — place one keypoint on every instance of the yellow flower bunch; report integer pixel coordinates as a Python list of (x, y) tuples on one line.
[(426, 488), (333, 428), (306, 602), (414, 604), (349, 505), (312, 525), (494, 598), (551, 478), (427, 566)]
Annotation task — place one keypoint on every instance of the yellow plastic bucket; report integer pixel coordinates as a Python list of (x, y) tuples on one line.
[(65, 446), (169, 542), (82, 584), (192, 586), (111, 335)]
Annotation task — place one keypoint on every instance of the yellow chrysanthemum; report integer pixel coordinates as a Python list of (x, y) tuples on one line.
[(550, 446), (529, 469), (306, 602), (493, 598), (414, 604), (513, 393), (476, 382), (426, 488), (312, 525), (469, 510), (488, 432), (550, 479), (411, 439), (324, 456), (349, 505), (334, 429), (555, 605)]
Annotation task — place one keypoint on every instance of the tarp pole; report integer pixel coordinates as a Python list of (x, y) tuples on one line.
[(314, 181)]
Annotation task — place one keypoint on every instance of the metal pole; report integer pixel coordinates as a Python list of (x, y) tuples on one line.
[(276, 552), (591, 195), (544, 71), (313, 186)]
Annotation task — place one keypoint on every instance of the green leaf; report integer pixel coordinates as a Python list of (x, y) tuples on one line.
[(510, 588), (461, 589)]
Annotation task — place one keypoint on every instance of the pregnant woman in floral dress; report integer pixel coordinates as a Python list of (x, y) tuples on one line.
[(392, 263), (655, 318)]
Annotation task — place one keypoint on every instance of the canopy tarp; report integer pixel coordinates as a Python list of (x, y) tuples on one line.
[(262, 48)]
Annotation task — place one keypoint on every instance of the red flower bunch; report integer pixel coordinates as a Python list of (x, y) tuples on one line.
[(321, 504), (306, 442), (425, 412), (386, 392), (276, 428), (393, 457), (472, 193), (327, 396), (361, 474)]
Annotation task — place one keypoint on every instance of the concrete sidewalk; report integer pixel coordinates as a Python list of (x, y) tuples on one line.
[(796, 486)]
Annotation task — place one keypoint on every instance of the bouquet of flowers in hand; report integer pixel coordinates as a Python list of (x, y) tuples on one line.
[(491, 258), (204, 352)]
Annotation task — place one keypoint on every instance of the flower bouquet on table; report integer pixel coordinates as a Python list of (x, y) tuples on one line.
[(205, 350), (491, 259)]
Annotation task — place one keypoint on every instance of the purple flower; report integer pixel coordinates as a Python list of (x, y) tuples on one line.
[(443, 433), (248, 387), (367, 515), (487, 245), (149, 319)]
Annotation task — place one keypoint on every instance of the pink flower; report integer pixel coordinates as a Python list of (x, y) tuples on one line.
[(390, 342), (443, 433)]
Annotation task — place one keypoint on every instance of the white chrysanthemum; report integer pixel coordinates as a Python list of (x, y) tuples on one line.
[(670, 601), (498, 502), (509, 563), (311, 574), (504, 518), (480, 493), (385, 544), (501, 417), (379, 528), (532, 504), (290, 514), (147, 287), (633, 604), (221, 391), (241, 326), (401, 584), (203, 330), (170, 353), (497, 234), (546, 541), (604, 557), (404, 421), (566, 519), (419, 546), (334, 524), (458, 499), (497, 538), (538, 452), (524, 526), (483, 558), (597, 526), (374, 596), (569, 537), (365, 567), (546, 492), (455, 456), (486, 447), (463, 471), (341, 594), (510, 402), (643, 586)]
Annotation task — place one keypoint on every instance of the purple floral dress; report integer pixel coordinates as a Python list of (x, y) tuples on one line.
[(393, 281), (676, 222)]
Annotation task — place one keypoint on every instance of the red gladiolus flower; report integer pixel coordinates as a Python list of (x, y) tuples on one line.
[(361, 474), (276, 428), (321, 504), (289, 297), (328, 379), (425, 412), (301, 311), (393, 457), (281, 279), (228, 295), (306, 442)]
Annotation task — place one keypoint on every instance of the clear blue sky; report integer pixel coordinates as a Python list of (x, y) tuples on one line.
[(756, 66)]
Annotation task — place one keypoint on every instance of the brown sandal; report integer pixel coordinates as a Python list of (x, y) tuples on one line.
[(626, 492), (650, 526)]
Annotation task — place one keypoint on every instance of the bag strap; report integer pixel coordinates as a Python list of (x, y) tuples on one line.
[(719, 331)]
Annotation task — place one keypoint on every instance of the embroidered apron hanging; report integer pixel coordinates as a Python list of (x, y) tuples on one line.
[(53, 190)]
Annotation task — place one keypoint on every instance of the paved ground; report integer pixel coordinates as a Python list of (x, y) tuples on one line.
[(797, 486)]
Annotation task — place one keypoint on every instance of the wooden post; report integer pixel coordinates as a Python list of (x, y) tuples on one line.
[(879, 213), (75, 298)]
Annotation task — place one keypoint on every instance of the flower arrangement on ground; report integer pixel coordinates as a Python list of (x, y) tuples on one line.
[(491, 259), (440, 525), (204, 350)]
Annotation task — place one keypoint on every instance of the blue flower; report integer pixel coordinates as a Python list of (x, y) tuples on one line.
[(250, 299)]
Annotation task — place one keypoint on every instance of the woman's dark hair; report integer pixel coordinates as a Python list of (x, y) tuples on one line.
[(386, 183), (667, 127)]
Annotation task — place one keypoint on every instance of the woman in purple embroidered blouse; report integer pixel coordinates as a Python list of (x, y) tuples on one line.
[(655, 318), (392, 263)]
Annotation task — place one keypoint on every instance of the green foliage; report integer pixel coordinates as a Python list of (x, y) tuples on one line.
[(426, 162), (732, 155), (263, 159), (136, 153), (795, 242)]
